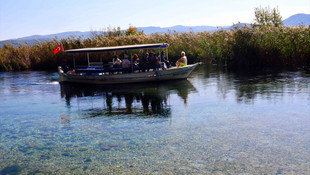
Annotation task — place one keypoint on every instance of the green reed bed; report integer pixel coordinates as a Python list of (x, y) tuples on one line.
[(239, 47), (271, 46)]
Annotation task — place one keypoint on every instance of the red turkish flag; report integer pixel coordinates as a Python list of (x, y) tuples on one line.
[(58, 49)]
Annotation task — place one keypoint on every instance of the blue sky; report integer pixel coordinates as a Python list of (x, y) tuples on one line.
[(19, 18)]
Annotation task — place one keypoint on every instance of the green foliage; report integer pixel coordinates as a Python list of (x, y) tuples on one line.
[(271, 46), (240, 47), (267, 17)]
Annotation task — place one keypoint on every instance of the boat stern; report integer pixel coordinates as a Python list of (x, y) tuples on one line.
[(60, 72)]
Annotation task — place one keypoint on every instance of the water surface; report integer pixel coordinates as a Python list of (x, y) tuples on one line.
[(214, 122)]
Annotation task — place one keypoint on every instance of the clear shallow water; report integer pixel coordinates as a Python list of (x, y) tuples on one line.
[(214, 122)]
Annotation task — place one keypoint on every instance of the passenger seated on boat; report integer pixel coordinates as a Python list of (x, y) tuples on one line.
[(165, 59), (117, 63), (106, 65), (144, 62), (126, 65), (182, 61), (135, 61), (155, 64), (65, 68)]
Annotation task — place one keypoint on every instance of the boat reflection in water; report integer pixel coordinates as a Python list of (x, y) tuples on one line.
[(141, 100)]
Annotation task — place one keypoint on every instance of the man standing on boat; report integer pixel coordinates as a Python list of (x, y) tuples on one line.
[(182, 61)]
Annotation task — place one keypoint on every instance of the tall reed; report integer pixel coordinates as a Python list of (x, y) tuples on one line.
[(239, 47)]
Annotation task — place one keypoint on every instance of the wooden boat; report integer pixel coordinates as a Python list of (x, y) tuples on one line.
[(98, 75)]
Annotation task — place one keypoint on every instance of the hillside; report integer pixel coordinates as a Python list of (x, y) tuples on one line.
[(298, 19)]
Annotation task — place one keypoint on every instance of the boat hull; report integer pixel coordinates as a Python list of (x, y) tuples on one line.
[(160, 75)]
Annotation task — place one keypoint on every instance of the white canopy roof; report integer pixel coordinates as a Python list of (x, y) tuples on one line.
[(118, 48)]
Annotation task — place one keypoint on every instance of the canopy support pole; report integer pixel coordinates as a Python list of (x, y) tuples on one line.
[(88, 58), (131, 61), (159, 56), (73, 62), (167, 53)]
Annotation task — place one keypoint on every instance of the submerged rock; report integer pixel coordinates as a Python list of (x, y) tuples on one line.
[(15, 169)]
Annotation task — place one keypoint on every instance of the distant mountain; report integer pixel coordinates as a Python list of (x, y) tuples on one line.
[(298, 19), (41, 38), (59, 35), (147, 30), (295, 20), (179, 28)]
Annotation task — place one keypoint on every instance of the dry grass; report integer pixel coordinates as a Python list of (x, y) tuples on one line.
[(239, 47)]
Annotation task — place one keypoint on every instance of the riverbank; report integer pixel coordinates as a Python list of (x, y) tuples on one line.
[(238, 48)]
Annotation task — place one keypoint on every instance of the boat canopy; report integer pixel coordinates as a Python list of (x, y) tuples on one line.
[(118, 48)]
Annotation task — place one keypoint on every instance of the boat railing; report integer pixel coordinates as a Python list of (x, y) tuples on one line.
[(112, 70), (96, 64)]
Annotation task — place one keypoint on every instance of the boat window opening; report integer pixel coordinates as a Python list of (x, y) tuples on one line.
[(159, 51), (73, 61), (114, 56), (88, 58)]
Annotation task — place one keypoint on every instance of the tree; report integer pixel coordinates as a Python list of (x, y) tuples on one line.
[(132, 30), (267, 17)]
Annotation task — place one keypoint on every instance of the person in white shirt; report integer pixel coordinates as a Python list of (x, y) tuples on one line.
[(182, 61), (126, 62)]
